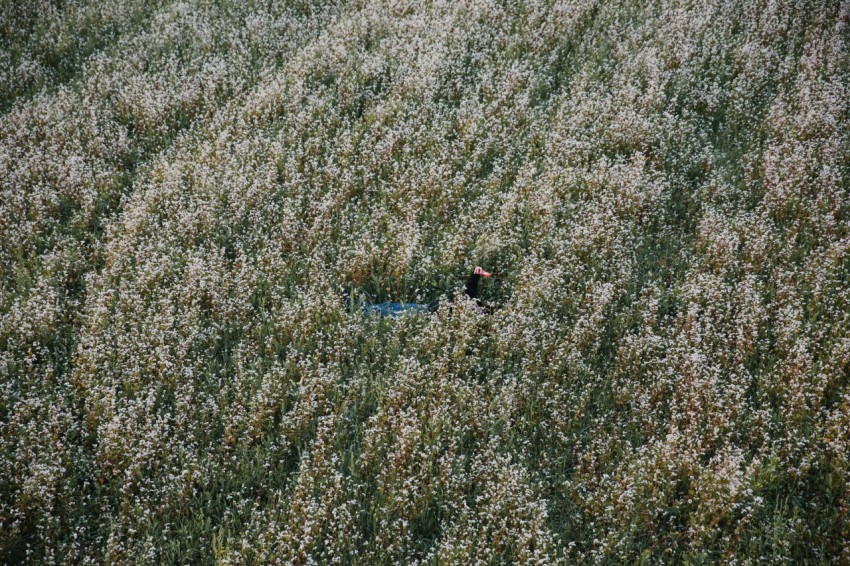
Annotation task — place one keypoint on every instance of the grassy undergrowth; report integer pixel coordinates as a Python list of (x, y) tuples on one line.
[(662, 189)]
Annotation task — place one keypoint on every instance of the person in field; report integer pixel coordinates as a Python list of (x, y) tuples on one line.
[(470, 288), (394, 309)]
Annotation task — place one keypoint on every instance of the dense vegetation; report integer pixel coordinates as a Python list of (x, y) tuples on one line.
[(664, 188)]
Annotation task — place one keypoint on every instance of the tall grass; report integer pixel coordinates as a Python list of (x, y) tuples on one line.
[(662, 189)]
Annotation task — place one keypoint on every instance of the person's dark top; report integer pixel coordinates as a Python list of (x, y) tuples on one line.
[(470, 288)]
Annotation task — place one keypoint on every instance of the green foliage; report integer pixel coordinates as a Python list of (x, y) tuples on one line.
[(662, 190)]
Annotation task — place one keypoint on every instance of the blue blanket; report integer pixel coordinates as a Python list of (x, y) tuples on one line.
[(394, 309)]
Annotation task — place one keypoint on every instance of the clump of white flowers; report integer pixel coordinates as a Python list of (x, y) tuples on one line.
[(662, 189)]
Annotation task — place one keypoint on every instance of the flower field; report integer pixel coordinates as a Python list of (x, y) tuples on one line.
[(663, 189)]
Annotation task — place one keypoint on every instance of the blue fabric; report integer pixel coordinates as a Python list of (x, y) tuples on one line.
[(394, 309)]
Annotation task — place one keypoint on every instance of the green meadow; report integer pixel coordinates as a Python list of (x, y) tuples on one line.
[(662, 189)]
